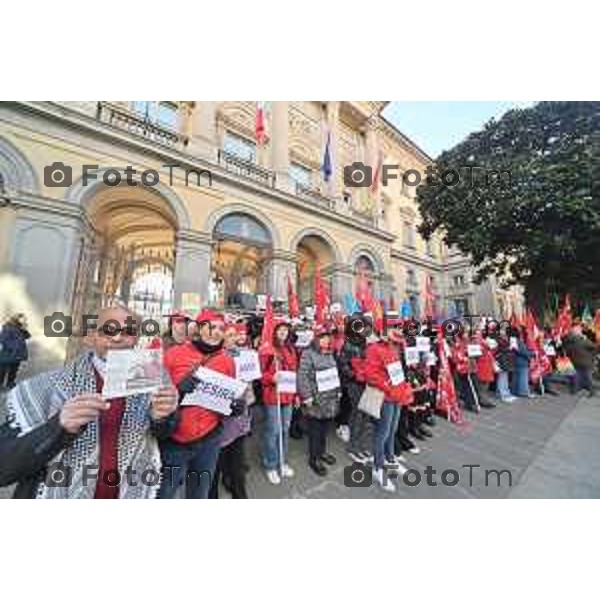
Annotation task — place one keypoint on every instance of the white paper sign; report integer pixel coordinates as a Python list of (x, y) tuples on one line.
[(286, 382), (474, 350), (328, 379), (215, 391), (431, 359), (304, 338), (514, 344), (247, 365), (423, 344), (412, 356), (492, 344), (396, 372), (132, 371), (550, 350)]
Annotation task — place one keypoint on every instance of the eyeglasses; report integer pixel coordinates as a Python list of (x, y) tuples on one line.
[(113, 331)]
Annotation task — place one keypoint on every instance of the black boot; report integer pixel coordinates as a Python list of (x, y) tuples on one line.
[(318, 467), (328, 459)]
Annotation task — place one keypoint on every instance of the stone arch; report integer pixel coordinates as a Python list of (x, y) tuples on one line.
[(316, 232), (371, 253), (82, 195), (223, 211), (17, 171)]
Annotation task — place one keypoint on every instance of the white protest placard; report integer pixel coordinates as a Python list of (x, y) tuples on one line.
[(550, 350), (132, 371), (423, 343), (411, 356), (328, 379), (431, 359), (286, 382), (304, 338), (247, 365), (514, 343), (474, 350), (215, 391), (492, 344), (396, 372)]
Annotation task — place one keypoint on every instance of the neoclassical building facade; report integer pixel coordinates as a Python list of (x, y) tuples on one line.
[(227, 221)]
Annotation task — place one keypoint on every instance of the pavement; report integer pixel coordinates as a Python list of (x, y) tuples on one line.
[(544, 447)]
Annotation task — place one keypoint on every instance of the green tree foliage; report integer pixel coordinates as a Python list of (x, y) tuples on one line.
[(529, 212)]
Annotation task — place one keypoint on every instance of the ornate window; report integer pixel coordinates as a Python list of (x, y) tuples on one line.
[(300, 174), (408, 234), (162, 113), (244, 228), (239, 146)]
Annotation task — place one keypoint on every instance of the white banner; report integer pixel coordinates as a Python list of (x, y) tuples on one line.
[(132, 371), (328, 379), (431, 359), (411, 355), (423, 343), (247, 365), (550, 350), (396, 372), (215, 391), (514, 343), (286, 382), (304, 338), (474, 350)]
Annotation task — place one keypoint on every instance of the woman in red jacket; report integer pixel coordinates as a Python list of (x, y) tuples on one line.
[(277, 406), (384, 369), (191, 453)]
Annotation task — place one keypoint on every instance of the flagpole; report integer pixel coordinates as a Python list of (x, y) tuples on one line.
[(475, 397), (279, 419)]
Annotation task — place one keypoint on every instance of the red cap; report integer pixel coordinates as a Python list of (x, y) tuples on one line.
[(210, 315), (241, 327), (176, 316), (322, 329)]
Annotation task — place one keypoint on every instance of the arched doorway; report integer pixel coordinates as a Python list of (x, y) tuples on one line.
[(241, 260), (312, 250), (364, 271), (128, 255)]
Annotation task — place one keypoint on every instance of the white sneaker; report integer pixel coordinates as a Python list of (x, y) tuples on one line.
[(415, 450), (357, 457), (273, 477), (343, 432), (400, 458), (399, 469), (383, 481), (287, 471)]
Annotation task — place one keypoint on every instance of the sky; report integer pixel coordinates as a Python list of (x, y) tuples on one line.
[(438, 126)]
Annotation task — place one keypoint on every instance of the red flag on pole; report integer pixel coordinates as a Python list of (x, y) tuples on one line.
[(266, 339), (260, 131), (293, 308), (321, 297), (564, 320)]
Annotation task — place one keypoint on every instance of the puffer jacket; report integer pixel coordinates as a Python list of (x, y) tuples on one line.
[(284, 358), (13, 343), (379, 356), (325, 405)]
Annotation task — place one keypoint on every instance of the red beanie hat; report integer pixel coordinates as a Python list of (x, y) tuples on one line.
[(210, 315)]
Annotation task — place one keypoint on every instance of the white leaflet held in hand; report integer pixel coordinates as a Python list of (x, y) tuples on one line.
[(474, 350), (132, 371), (328, 379), (247, 365), (215, 391), (411, 356)]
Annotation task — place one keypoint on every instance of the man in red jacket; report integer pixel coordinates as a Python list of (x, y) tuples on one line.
[(384, 370), (194, 446), (277, 406)]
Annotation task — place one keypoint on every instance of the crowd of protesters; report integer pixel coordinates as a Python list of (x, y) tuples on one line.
[(379, 389)]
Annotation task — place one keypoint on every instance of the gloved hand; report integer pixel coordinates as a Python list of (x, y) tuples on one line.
[(238, 406), (188, 385)]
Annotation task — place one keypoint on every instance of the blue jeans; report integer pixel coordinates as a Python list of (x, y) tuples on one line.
[(521, 381), (502, 385), (193, 463), (271, 435), (385, 430)]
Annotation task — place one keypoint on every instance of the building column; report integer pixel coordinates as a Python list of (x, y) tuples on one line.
[(203, 140), (8, 216), (283, 265), (193, 250), (333, 125), (280, 156), (372, 160)]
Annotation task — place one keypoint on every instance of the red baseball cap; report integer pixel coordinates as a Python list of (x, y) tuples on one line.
[(210, 315)]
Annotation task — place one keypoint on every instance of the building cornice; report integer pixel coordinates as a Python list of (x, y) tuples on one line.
[(413, 258)]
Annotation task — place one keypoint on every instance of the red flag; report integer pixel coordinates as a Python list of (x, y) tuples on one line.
[(363, 292), (446, 398), (377, 174), (293, 308), (321, 297), (515, 323), (597, 325), (564, 320), (260, 131), (266, 339)]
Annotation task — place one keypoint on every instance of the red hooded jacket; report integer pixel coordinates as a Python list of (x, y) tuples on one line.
[(377, 358), (459, 358), (284, 358), (181, 361)]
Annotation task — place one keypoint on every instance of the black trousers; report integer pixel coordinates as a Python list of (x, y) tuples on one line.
[(8, 372), (231, 471), (317, 437), (343, 417)]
